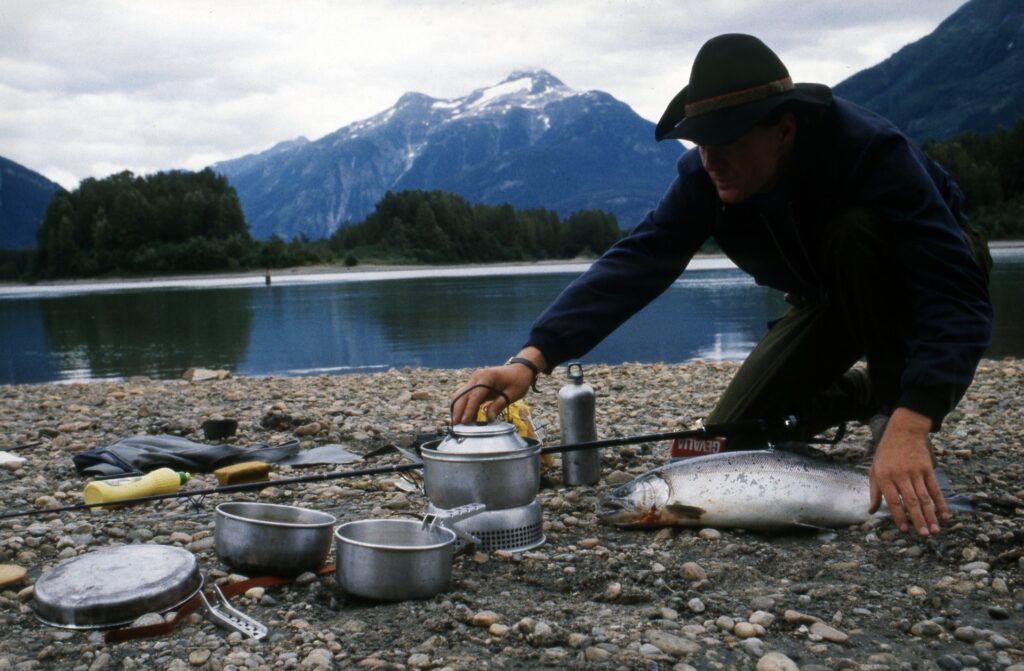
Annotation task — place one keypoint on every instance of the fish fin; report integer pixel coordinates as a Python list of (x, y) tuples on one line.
[(685, 512), (954, 502), (811, 527), (803, 449)]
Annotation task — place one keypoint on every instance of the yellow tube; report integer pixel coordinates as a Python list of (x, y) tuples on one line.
[(160, 481)]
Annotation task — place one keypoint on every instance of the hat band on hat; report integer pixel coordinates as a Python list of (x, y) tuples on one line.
[(734, 98)]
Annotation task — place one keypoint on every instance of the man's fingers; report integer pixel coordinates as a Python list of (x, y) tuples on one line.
[(937, 498), (927, 505), (892, 498), (913, 505), (496, 406), (464, 409)]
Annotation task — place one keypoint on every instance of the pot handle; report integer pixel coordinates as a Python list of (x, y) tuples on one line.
[(448, 519), (451, 406)]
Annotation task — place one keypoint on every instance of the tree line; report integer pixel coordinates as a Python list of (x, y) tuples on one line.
[(182, 221), (989, 167), (192, 222), (437, 227)]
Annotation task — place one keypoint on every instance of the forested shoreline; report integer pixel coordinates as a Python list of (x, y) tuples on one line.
[(178, 221)]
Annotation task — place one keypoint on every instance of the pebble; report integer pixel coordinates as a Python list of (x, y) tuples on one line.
[(967, 634), (198, 657), (485, 618), (613, 591), (255, 593), (796, 617), (670, 644), (926, 628), (761, 618), (616, 478), (696, 605), (319, 658), (498, 630), (776, 661), (824, 631), (589, 543), (148, 619), (998, 613), (593, 654), (746, 630), (949, 663), (710, 534), (693, 571)]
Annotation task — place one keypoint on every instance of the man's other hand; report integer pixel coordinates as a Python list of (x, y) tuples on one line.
[(902, 472)]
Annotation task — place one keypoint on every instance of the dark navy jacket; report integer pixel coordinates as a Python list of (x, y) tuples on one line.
[(853, 158)]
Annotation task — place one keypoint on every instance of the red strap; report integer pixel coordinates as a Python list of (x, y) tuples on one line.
[(187, 608)]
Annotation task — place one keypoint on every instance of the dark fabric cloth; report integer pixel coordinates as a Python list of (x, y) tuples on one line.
[(849, 159), (141, 454)]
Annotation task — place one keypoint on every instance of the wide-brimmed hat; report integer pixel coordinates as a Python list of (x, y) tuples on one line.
[(735, 82)]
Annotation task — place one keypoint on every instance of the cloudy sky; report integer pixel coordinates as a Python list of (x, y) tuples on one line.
[(91, 88)]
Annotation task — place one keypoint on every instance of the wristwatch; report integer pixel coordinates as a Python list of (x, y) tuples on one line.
[(529, 364)]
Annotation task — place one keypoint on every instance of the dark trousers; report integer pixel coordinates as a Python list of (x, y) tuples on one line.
[(803, 365)]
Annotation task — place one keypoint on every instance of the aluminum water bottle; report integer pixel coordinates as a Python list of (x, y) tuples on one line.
[(576, 417)]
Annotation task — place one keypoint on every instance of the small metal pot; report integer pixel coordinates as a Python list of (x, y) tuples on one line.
[(270, 539), (397, 560), (393, 560), (496, 479)]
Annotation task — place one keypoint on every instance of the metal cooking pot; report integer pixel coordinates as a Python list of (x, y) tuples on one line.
[(397, 559), (271, 539), (497, 479)]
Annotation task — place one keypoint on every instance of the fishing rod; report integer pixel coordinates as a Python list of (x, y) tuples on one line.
[(711, 430)]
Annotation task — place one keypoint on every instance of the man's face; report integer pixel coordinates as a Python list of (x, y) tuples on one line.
[(751, 164)]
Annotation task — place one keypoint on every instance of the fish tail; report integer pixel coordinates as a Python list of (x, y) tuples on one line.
[(954, 502)]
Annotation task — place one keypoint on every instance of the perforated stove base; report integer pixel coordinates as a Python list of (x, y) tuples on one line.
[(512, 529)]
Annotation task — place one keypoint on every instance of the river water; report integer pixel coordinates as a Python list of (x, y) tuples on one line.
[(351, 322)]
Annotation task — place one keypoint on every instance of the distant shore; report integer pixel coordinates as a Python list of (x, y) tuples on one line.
[(361, 272), (320, 273)]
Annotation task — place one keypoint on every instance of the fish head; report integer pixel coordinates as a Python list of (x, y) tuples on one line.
[(638, 503)]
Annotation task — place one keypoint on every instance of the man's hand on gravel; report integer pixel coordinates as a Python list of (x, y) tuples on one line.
[(902, 472)]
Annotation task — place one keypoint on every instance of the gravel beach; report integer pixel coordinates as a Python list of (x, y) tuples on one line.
[(863, 597)]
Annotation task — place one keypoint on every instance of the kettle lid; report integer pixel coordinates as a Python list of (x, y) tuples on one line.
[(482, 429), (479, 437)]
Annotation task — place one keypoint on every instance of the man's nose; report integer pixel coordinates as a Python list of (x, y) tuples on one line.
[(713, 156)]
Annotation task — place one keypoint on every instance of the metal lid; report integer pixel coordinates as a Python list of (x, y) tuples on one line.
[(482, 437), (113, 586)]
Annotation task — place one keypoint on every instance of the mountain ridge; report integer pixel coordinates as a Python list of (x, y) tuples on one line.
[(529, 140), (967, 74), (24, 197)]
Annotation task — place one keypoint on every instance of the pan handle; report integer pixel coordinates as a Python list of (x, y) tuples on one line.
[(449, 518)]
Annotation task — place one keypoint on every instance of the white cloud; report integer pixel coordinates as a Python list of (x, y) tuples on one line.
[(89, 87)]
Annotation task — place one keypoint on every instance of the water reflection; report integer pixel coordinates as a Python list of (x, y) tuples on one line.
[(158, 333), (338, 327)]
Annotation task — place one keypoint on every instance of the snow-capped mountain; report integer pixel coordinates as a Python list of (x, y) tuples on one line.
[(529, 140)]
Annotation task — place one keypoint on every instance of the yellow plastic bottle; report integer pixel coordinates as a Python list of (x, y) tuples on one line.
[(160, 481)]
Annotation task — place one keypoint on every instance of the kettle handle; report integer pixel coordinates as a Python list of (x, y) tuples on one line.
[(451, 406), (575, 375)]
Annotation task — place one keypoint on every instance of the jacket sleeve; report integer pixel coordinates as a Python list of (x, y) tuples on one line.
[(951, 313), (630, 274)]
